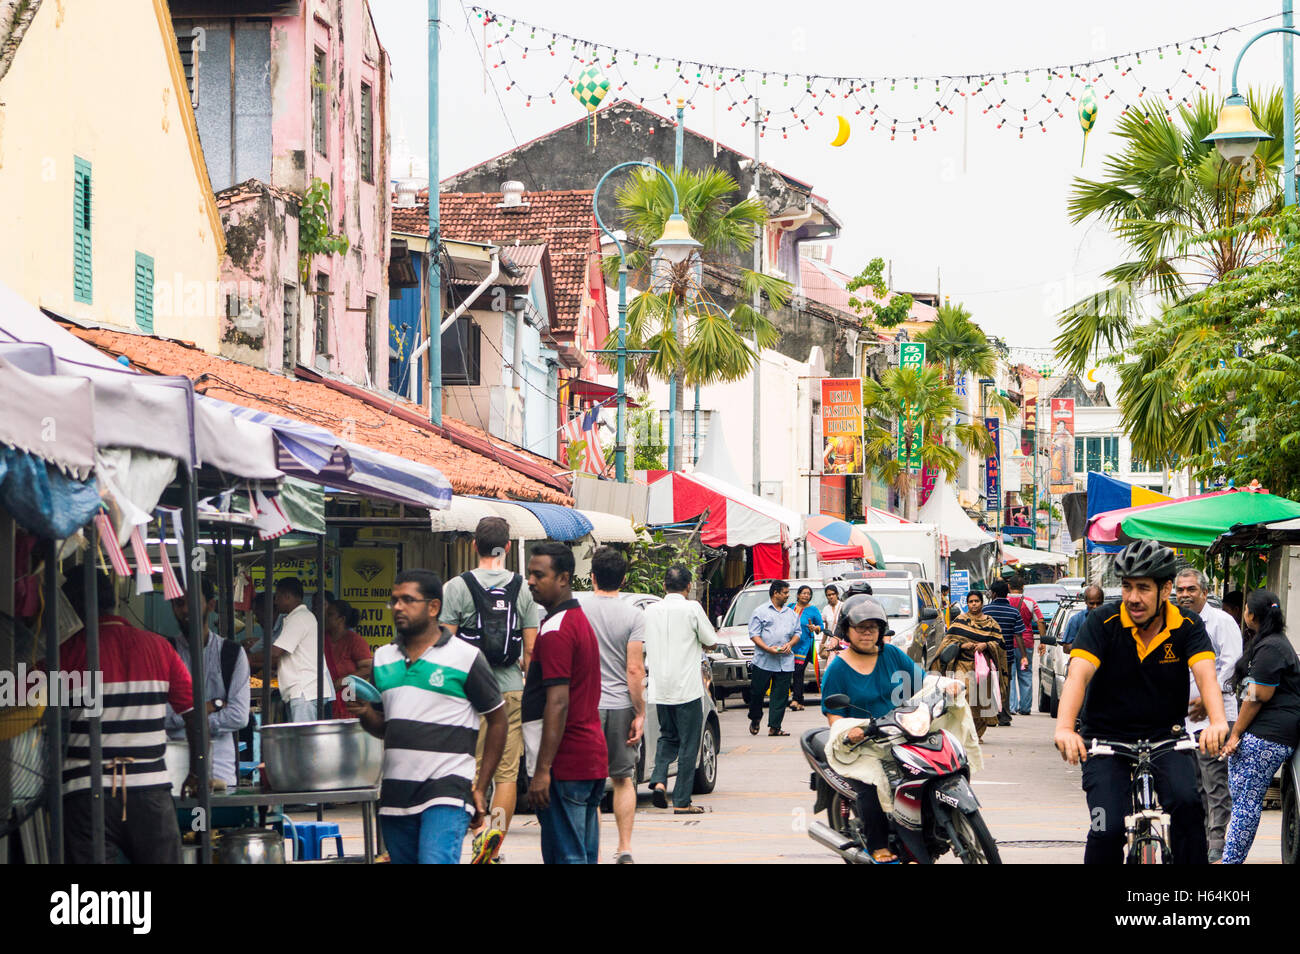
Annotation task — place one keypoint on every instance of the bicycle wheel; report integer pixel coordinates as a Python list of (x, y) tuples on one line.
[(975, 845)]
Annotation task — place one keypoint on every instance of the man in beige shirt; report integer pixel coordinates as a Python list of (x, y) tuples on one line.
[(676, 632)]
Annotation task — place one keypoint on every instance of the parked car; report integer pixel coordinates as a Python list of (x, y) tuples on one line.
[(735, 649), (1072, 583), (1047, 596), (706, 767), (1054, 663)]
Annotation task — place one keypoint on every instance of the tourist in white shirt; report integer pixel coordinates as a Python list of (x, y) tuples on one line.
[(1191, 589), (676, 632), (294, 653)]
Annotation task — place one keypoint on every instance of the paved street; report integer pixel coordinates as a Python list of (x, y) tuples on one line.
[(1032, 802)]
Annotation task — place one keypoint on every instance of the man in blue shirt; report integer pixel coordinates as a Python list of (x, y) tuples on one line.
[(1012, 625), (774, 630), (1092, 598)]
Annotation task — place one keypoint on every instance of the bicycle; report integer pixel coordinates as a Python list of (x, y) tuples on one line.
[(1146, 827)]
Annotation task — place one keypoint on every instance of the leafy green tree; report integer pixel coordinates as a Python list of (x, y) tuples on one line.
[(690, 335), (1185, 217), (879, 306), (933, 424)]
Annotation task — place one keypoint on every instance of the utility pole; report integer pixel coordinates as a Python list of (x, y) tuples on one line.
[(758, 267), (434, 259), (1288, 97), (673, 409)]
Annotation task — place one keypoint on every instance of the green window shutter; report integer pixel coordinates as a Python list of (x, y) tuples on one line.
[(144, 292), (82, 273)]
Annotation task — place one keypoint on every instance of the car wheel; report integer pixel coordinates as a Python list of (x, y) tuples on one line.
[(706, 775), (1290, 820), (1054, 705)]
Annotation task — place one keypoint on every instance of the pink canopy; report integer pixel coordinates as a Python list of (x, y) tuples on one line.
[(1104, 528)]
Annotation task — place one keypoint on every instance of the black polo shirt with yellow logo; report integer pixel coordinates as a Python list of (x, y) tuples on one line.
[(1138, 692)]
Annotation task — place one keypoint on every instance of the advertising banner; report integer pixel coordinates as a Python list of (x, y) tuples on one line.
[(842, 426), (1061, 445), (367, 584), (958, 589), (993, 466), (1029, 419)]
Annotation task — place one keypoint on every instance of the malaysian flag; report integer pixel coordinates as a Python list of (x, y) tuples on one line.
[(586, 427)]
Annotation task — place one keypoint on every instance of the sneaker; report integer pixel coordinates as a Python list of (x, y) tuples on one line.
[(485, 846), (623, 858)]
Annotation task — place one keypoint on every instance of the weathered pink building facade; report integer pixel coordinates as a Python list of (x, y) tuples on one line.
[(287, 92)]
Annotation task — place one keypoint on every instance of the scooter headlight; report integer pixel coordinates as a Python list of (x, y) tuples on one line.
[(915, 722)]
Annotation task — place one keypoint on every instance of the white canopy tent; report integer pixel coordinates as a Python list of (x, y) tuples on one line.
[(943, 510), (1013, 554)]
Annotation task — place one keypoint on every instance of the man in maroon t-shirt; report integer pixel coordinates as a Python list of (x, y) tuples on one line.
[(1022, 676), (567, 758)]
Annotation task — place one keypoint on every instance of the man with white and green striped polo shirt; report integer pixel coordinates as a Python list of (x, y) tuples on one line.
[(435, 688)]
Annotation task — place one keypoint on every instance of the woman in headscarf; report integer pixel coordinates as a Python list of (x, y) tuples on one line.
[(974, 633)]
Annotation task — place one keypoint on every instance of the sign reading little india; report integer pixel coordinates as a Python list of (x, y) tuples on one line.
[(842, 426), (911, 354), (993, 465)]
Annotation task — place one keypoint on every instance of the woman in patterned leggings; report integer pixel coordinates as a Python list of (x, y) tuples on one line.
[(1266, 730)]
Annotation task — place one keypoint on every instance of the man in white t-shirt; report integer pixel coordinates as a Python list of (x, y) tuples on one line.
[(293, 654), (1191, 589)]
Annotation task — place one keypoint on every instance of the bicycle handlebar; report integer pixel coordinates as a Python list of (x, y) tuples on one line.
[(1134, 750)]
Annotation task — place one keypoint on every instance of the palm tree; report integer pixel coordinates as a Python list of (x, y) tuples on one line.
[(935, 406), (957, 343), (693, 337), (1186, 217)]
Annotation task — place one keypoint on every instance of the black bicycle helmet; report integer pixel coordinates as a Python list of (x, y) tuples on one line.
[(1146, 558), (857, 610)]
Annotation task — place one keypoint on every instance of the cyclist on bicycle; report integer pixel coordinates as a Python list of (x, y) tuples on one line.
[(1131, 659)]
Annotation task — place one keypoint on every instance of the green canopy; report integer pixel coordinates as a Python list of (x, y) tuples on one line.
[(1198, 522)]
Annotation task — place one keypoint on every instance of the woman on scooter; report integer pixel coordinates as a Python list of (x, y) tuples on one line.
[(877, 677)]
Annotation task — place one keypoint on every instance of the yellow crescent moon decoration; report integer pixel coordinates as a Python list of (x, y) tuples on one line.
[(842, 136), (1092, 375)]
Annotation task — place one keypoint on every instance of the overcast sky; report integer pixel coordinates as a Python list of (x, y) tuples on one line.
[(971, 203)]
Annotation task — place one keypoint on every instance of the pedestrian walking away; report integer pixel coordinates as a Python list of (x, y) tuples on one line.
[(1022, 673), (567, 758), (620, 633), (1013, 629), (1267, 676), (677, 631), (1126, 683), (1191, 588), (774, 630), (435, 691), (490, 608), (810, 627)]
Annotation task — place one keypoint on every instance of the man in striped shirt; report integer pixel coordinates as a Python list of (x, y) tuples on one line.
[(141, 675), (435, 689), (1012, 625)]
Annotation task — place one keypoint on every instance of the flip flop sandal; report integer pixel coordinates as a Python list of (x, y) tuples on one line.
[(689, 810), (753, 728), (659, 796), (777, 732)]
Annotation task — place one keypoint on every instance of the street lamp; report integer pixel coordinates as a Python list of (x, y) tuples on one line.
[(675, 245), (1236, 136)]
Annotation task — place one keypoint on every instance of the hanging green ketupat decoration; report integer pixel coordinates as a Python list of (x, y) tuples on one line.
[(589, 90), (1087, 116)]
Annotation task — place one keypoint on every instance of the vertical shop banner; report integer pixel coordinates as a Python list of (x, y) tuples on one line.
[(993, 467), (841, 426), (1061, 475), (958, 589), (911, 354), (1029, 419), (367, 584)]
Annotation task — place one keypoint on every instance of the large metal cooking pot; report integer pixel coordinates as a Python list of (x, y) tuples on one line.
[(250, 846), (321, 756)]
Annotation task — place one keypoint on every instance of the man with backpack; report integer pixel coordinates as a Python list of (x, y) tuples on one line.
[(225, 669), (491, 609)]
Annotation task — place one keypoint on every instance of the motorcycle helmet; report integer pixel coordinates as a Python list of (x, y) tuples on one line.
[(857, 610), (1146, 558), (856, 588)]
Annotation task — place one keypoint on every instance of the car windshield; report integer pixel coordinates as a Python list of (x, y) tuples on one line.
[(749, 600), (1048, 608), (897, 600)]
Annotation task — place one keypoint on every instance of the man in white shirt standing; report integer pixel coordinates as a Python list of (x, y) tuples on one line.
[(676, 632), (293, 654), (1191, 589)]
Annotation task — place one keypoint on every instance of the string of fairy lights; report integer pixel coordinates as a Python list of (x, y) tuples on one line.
[(1167, 76)]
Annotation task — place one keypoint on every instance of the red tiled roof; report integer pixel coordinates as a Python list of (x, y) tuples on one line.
[(564, 220), (397, 429)]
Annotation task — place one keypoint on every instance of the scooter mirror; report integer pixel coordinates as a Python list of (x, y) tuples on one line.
[(837, 701)]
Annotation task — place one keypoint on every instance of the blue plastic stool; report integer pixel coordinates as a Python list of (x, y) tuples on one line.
[(309, 836)]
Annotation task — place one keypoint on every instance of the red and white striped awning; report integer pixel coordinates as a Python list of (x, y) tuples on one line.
[(735, 518)]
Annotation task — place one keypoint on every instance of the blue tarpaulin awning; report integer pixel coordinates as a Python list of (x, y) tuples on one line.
[(560, 523)]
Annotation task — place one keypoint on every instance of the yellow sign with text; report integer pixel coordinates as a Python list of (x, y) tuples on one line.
[(367, 584)]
